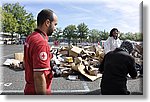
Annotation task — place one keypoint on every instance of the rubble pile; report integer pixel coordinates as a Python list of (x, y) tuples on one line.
[(75, 59)]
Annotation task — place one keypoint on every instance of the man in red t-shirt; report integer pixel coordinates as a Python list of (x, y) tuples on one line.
[(37, 56)]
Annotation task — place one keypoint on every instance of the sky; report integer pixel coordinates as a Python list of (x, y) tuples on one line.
[(97, 14)]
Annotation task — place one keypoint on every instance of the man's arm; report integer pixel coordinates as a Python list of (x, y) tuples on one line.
[(107, 46), (132, 70), (101, 68), (39, 83)]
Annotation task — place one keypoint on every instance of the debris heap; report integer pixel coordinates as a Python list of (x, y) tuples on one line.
[(83, 60)]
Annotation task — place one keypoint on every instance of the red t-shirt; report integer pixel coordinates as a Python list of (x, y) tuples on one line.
[(37, 57)]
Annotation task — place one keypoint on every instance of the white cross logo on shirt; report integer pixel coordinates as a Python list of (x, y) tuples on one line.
[(43, 56)]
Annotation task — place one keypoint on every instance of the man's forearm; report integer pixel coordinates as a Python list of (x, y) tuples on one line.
[(39, 83)]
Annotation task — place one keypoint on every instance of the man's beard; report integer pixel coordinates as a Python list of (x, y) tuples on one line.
[(50, 30)]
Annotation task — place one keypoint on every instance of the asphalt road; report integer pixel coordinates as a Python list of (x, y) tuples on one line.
[(12, 81)]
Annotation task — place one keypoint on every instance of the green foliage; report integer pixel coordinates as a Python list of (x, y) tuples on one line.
[(56, 35), (104, 35), (131, 36), (139, 37), (83, 31), (0, 19), (15, 16), (94, 35), (10, 23), (70, 32)]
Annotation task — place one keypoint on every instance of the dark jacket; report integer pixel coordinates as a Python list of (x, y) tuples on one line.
[(115, 67)]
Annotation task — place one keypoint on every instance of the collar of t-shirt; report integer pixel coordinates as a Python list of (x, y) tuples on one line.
[(42, 33)]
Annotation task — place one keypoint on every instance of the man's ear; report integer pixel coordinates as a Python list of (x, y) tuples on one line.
[(47, 23)]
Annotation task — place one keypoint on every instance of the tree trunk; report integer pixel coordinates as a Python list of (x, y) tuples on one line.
[(68, 42), (12, 36)]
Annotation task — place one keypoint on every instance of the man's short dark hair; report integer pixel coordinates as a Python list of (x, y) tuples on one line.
[(44, 15), (111, 32), (127, 45)]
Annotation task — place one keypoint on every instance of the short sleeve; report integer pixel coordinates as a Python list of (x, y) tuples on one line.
[(41, 58)]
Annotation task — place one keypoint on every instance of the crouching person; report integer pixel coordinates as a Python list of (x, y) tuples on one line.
[(115, 67)]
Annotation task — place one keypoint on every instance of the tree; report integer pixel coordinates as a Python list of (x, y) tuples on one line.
[(94, 35), (10, 24), (122, 36), (56, 35), (139, 36), (129, 36), (0, 19), (104, 35), (25, 21), (70, 32), (82, 31), (29, 25)]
